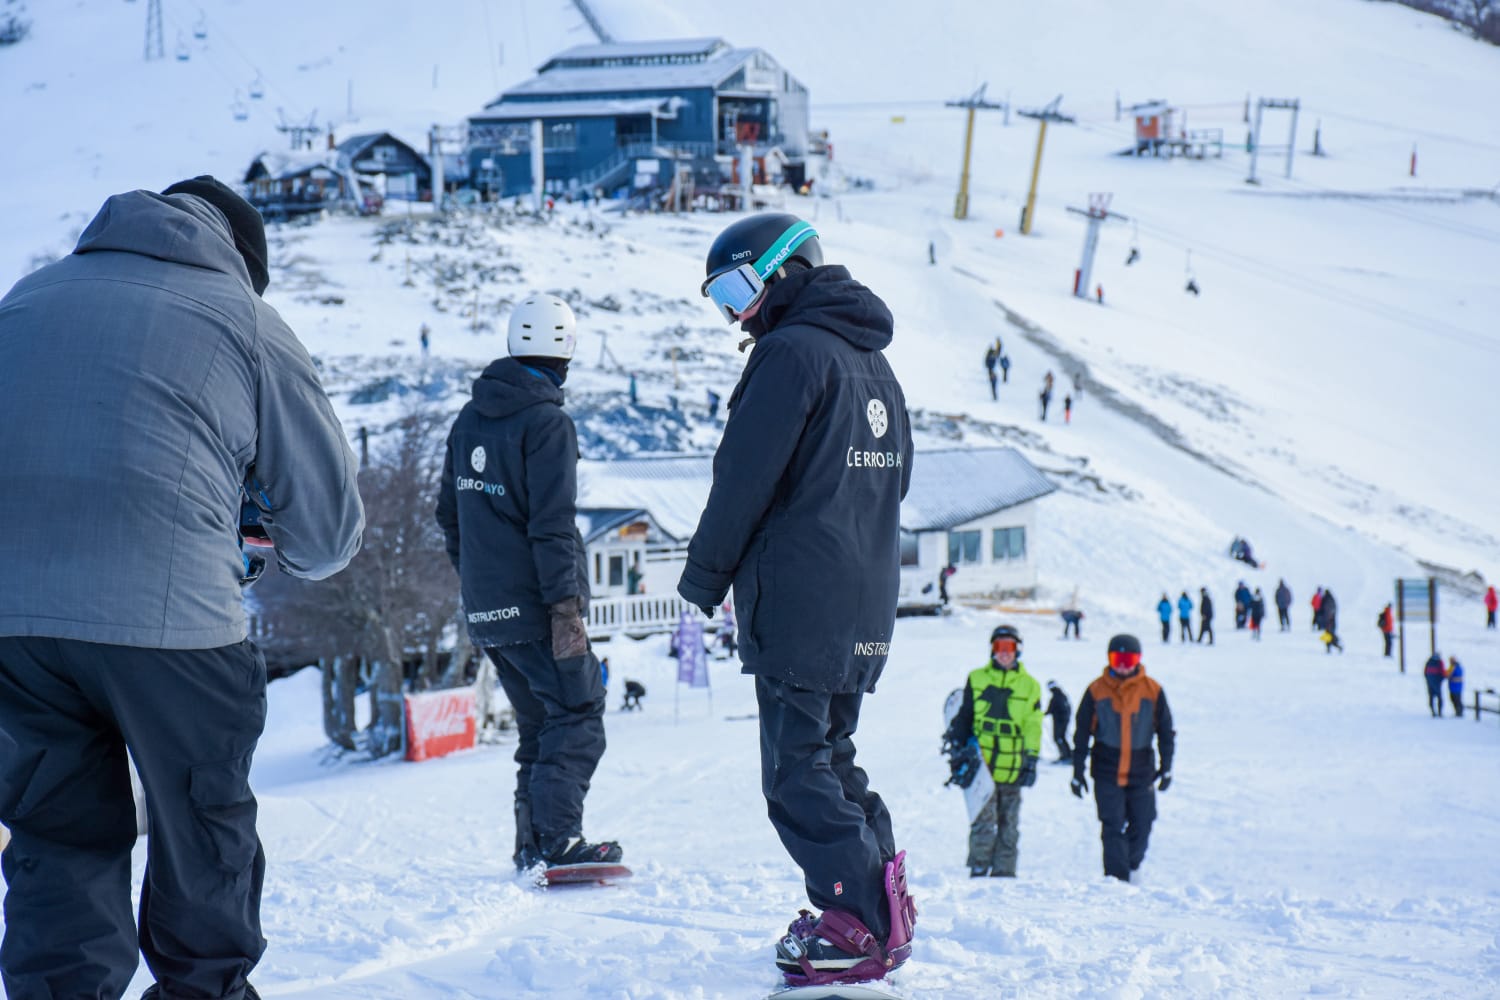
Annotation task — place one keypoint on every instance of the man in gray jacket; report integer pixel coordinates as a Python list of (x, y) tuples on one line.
[(144, 382)]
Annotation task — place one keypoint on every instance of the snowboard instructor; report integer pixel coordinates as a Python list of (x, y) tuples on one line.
[(508, 510), (151, 380), (803, 520)]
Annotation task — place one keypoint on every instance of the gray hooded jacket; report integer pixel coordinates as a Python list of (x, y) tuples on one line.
[(141, 379)]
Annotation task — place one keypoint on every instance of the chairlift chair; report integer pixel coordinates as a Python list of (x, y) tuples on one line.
[(183, 52), (241, 113), (1192, 281), (1135, 245), (257, 88), (200, 29)]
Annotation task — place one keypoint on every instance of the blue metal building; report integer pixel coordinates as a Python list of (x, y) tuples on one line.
[(609, 111)]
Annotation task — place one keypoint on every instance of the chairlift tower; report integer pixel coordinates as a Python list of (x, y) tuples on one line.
[(154, 47), (974, 102), (1097, 212), (1043, 116), (300, 136)]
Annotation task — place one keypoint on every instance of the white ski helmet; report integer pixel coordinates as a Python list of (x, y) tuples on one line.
[(542, 326)]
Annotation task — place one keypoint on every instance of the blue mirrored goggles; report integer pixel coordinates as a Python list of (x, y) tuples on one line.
[(734, 292)]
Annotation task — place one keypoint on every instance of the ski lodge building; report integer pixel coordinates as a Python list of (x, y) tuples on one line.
[(973, 508), (635, 114)]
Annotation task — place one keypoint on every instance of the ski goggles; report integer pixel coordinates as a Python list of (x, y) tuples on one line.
[(734, 292), (1005, 646), (1124, 661)]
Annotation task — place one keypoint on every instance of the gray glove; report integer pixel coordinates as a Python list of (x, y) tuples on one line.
[(569, 638)]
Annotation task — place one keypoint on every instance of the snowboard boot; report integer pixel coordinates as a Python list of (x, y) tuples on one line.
[(978, 871), (577, 851), (838, 948)]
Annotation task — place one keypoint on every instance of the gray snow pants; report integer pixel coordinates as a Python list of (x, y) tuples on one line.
[(995, 834), (560, 719), (835, 828), (190, 719)]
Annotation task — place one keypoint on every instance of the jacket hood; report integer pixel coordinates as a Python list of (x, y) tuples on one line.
[(828, 298), (508, 387), (180, 228)]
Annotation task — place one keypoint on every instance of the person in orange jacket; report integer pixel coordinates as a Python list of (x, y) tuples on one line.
[(1119, 714), (1387, 622)]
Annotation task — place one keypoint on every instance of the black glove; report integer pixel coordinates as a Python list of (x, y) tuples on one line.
[(1027, 777), (1165, 782), (707, 609), (1079, 786), (964, 765), (569, 638)]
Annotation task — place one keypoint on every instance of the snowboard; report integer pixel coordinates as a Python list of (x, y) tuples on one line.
[(853, 991), (982, 788), (589, 873)]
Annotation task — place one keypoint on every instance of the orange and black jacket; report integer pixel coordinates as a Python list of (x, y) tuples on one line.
[(1120, 715)]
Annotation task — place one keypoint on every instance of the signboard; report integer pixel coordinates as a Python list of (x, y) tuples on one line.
[(692, 658), (1417, 599), (439, 722)]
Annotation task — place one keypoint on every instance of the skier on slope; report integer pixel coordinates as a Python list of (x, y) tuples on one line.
[(507, 507), (1002, 710), (1284, 605), (808, 480), (1060, 711), (1205, 616), (144, 379), (1120, 713)]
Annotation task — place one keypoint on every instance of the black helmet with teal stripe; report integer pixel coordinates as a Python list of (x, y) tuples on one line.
[(758, 247)]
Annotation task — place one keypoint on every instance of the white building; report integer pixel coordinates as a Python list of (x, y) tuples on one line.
[(972, 508)]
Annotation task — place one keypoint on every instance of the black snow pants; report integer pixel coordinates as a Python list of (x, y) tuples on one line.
[(1125, 818), (1060, 737), (1206, 628), (834, 827), (1284, 618), (1435, 695), (1187, 629), (190, 718), (560, 720)]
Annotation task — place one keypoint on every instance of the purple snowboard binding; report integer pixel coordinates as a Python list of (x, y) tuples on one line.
[(838, 948)]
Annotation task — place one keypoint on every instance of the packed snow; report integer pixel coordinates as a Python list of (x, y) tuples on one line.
[(1329, 395)]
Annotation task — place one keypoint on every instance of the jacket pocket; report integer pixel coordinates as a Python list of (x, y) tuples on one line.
[(225, 809)]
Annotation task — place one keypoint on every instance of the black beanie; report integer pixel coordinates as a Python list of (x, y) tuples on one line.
[(244, 224)]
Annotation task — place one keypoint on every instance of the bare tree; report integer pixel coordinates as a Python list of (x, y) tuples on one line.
[(391, 607)]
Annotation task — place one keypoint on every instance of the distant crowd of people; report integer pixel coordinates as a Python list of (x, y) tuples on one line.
[(997, 369)]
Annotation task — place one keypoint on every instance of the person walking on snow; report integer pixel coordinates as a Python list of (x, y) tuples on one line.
[(807, 487), (991, 358), (1060, 710), (1205, 616), (1491, 602), (1120, 713), (152, 381), (1241, 605), (1164, 612), (1456, 686), (1002, 711), (1434, 674), (1185, 616), (1317, 610), (507, 506), (1005, 373), (1257, 613), (1284, 605), (1067, 409), (1385, 621)]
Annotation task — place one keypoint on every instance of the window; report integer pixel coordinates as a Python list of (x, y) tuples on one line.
[(598, 568), (560, 137), (963, 547), (1009, 543), (909, 554), (617, 571)]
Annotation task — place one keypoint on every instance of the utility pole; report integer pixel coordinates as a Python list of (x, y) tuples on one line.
[(1097, 212), (154, 48), (1043, 116), (538, 167), (1261, 104), (972, 103)]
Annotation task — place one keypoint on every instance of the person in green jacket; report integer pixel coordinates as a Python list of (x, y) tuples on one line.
[(1002, 712)]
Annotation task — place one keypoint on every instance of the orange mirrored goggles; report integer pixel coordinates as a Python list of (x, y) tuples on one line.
[(1004, 646), (1124, 661)]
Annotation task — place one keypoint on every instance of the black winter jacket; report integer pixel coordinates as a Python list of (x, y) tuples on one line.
[(508, 505), (804, 515)]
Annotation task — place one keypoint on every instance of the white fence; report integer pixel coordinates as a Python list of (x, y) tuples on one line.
[(641, 615)]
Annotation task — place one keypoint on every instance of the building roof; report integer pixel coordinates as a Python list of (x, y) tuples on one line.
[(354, 147), (953, 487), (596, 522), (559, 80), (948, 488), (509, 110), (636, 50), (294, 162)]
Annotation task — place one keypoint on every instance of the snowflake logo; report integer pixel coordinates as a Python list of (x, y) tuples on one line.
[(477, 458), (875, 414)]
